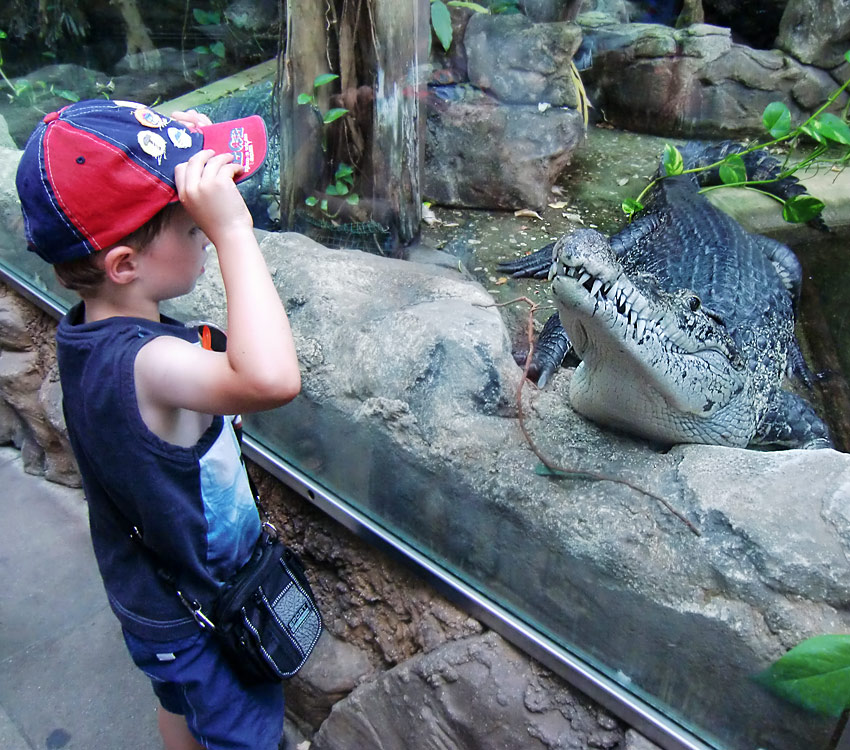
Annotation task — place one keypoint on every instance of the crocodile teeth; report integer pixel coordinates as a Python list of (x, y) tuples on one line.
[(597, 285), (641, 328), (584, 277)]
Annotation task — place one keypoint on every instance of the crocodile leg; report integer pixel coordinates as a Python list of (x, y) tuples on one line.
[(552, 348), (790, 422)]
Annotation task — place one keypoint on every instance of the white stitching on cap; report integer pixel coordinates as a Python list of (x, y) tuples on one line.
[(51, 196)]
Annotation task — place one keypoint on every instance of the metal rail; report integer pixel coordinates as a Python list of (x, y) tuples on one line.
[(631, 709)]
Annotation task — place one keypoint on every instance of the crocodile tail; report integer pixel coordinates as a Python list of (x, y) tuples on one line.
[(760, 164)]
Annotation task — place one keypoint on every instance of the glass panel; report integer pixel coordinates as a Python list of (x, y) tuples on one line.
[(353, 99)]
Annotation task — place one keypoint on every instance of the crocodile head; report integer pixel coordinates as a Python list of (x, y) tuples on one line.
[(655, 362)]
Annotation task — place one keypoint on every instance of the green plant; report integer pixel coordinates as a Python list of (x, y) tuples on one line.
[(830, 133), (342, 183), (29, 92), (341, 186), (216, 51), (814, 675), (332, 114)]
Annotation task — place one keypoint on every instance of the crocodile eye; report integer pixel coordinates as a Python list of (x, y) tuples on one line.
[(694, 303)]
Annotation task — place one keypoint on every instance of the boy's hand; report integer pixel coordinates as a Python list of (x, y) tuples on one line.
[(206, 189), (191, 118)]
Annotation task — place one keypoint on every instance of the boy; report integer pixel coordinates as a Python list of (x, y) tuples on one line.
[(123, 202)]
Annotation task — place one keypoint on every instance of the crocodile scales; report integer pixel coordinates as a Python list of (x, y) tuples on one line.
[(683, 322)]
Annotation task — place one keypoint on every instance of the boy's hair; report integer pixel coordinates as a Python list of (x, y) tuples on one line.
[(85, 275)]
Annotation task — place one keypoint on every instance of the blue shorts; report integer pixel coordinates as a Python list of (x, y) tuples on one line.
[(191, 677)]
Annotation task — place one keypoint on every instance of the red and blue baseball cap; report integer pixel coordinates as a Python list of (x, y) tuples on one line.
[(97, 170)]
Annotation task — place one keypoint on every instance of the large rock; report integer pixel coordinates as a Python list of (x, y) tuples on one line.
[(483, 154), (692, 82), (521, 62), (816, 32), (478, 694)]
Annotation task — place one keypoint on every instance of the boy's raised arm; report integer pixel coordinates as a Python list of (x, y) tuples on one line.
[(259, 370)]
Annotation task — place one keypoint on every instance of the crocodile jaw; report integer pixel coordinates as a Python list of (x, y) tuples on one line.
[(650, 365)]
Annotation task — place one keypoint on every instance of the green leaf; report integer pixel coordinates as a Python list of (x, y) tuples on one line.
[(801, 208), (544, 471), (810, 130), (777, 119), (344, 171), (324, 204), (333, 114), (324, 79), (217, 48), (71, 96), (311, 201), (206, 18), (331, 190), (733, 170), (441, 20), (847, 55), (834, 128), (672, 160), (342, 188), (631, 206), (306, 99), (472, 6), (353, 199), (814, 675)]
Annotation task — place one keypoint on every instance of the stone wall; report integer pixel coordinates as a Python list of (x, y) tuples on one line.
[(399, 665)]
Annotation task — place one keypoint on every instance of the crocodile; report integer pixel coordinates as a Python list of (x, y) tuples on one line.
[(684, 323)]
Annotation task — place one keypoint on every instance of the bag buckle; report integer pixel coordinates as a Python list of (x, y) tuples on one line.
[(194, 607), (270, 529)]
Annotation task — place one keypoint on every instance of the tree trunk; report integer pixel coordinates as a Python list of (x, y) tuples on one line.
[(376, 47), (397, 159)]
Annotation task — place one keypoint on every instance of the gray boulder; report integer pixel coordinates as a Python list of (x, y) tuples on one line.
[(478, 693), (521, 62), (816, 32), (692, 82), (480, 153)]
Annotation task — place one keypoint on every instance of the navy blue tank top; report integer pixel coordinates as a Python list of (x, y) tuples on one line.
[(193, 506)]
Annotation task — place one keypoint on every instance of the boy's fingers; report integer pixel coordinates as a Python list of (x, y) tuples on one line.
[(221, 165), (189, 172), (192, 118)]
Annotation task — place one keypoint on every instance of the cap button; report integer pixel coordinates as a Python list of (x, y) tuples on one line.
[(51, 117)]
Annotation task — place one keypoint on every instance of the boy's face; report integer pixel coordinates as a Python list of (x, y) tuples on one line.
[(174, 260)]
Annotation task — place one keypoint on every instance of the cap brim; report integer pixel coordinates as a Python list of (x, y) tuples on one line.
[(245, 138)]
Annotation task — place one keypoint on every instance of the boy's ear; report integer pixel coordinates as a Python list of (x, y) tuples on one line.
[(120, 264)]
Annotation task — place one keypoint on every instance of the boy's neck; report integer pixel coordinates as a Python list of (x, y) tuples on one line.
[(98, 308)]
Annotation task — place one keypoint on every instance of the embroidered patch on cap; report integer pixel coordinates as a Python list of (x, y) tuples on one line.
[(180, 138), (242, 148), (149, 118), (153, 144)]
